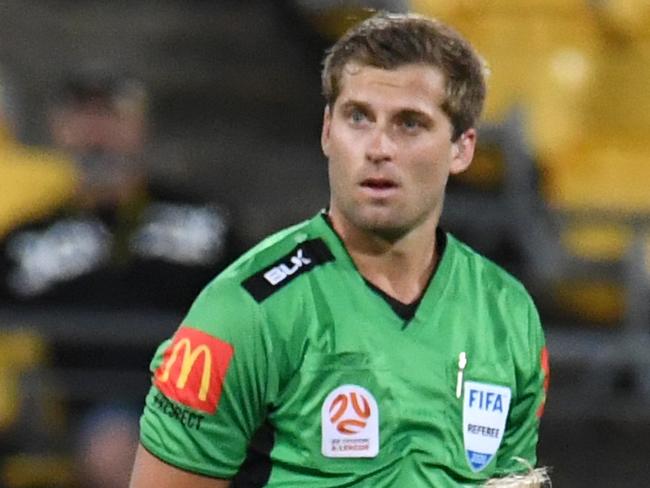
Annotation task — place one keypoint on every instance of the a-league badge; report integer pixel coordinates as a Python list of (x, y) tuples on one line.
[(350, 423), (485, 411)]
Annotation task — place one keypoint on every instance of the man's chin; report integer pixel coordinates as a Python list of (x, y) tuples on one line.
[(383, 223)]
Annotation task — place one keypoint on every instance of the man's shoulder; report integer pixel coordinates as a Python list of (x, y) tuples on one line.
[(275, 261), (485, 272), (234, 305), (497, 294)]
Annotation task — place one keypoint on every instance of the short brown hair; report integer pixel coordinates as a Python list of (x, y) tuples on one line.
[(389, 41)]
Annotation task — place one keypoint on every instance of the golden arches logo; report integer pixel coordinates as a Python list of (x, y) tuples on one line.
[(193, 369), (189, 358)]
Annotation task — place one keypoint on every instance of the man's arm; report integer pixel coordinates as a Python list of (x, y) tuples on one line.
[(520, 440), (151, 472), (211, 384)]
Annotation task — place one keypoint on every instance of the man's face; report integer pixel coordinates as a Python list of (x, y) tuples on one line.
[(90, 127), (389, 148), (107, 143)]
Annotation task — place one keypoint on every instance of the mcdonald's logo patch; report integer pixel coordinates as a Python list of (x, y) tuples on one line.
[(193, 369)]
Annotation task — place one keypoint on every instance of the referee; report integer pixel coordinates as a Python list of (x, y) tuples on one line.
[(370, 346)]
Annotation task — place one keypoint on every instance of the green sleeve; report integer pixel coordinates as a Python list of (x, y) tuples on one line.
[(531, 363), (203, 421)]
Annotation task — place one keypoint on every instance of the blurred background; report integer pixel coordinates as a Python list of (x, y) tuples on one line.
[(144, 144)]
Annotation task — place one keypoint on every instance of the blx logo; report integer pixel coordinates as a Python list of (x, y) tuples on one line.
[(279, 273)]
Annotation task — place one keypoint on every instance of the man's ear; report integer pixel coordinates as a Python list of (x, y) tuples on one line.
[(325, 132), (463, 152)]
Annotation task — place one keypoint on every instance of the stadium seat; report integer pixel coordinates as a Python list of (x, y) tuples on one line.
[(32, 423), (37, 471), (37, 182), (20, 351), (603, 170), (626, 18)]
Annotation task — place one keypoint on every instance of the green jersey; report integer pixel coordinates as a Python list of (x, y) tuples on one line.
[(357, 395)]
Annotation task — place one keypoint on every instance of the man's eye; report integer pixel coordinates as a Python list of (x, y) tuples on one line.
[(357, 116), (411, 124)]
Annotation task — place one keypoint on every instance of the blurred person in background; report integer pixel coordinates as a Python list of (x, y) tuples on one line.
[(100, 120), (110, 239), (374, 347), (121, 239)]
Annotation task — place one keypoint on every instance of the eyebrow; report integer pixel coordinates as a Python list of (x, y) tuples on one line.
[(402, 112), (355, 104), (409, 112)]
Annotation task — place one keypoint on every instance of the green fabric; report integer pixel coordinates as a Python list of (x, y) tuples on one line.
[(327, 328)]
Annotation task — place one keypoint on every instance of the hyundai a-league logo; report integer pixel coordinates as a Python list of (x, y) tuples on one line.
[(350, 423)]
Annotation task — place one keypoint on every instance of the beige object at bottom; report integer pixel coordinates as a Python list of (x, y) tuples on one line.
[(534, 478)]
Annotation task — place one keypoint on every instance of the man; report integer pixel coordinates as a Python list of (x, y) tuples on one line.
[(100, 120), (121, 239), (378, 349)]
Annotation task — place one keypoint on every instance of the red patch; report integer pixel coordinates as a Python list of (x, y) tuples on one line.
[(546, 368), (193, 369)]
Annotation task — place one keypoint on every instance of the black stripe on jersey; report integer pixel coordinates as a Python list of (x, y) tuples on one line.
[(304, 257), (256, 469)]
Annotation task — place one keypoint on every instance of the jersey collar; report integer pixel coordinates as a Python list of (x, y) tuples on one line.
[(437, 282)]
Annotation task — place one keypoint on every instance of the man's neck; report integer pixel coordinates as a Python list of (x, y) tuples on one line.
[(402, 267)]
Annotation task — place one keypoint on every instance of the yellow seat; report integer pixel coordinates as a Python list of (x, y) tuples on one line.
[(34, 470), (20, 351), (606, 167), (627, 18), (34, 182)]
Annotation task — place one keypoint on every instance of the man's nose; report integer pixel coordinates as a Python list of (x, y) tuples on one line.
[(381, 146)]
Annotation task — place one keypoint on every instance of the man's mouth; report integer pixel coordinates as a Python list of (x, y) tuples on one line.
[(378, 183), (378, 188)]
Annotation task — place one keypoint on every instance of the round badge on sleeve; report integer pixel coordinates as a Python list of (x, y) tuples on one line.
[(350, 423)]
